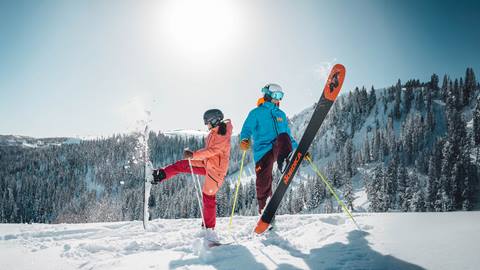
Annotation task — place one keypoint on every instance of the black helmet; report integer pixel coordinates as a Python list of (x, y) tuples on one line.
[(213, 117)]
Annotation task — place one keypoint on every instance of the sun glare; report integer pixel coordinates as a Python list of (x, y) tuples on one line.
[(200, 26)]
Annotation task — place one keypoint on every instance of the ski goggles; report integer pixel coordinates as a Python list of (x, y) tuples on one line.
[(273, 94)]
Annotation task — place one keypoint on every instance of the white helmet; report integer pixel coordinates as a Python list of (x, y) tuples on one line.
[(273, 90)]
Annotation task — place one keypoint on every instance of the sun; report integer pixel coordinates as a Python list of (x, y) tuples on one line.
[(200, 26)]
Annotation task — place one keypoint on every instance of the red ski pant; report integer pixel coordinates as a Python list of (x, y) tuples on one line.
[(209, 201), (263, 168)]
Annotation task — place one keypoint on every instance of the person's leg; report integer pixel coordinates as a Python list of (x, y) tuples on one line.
[(181, 166), (281, 149), (263, 170), (209, 210), (209, 191)]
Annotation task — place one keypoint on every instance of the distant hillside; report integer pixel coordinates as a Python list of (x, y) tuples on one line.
[(410, 147), (13, 140)]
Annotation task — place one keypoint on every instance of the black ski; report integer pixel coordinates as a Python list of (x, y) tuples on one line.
[(330, 92)]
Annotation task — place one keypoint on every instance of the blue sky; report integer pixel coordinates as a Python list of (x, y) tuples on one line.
[(79, 68)]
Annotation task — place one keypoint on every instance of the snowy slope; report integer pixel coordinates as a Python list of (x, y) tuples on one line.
[(388, 241)]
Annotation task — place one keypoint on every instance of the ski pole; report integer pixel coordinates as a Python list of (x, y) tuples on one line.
[(197, 191), (330, 188), (236, 190)]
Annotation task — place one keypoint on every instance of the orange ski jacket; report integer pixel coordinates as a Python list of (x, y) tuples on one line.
[(214, 157)]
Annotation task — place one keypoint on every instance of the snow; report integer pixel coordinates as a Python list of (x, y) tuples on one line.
[(361, 202), (89, 138), (322, 241), (91, 184), (29, 145), (72, 141), (30, 142), (439, 102), (470, 124), (186, 133)]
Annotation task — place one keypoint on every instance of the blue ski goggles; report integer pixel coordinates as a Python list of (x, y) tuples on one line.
[(273, 94)]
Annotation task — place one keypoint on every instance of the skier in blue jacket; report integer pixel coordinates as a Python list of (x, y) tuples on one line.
[(268, 126)]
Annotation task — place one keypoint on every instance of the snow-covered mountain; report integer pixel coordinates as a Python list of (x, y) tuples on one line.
[(403, 128), (325, 241), (185, 133), (30, 142)]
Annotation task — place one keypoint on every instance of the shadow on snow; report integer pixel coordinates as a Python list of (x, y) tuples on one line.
[(223, 257), (356, 254)]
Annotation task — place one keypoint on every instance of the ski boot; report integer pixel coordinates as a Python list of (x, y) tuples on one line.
[(158, 176), (211, 235), (272, 222)]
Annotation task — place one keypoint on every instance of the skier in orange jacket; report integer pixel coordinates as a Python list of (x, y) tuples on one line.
[(211, 161)]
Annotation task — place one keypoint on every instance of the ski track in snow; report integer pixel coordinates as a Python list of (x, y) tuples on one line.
[(322, 241)]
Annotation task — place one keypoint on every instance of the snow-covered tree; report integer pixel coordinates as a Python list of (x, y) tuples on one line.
[(417, 203), (408, 98), (410, 190), (348, 193), (366, 150), (397, 109), (348, 158), (445, 87), (390, 182), (372, 98), (375, 191), (470, 85), (476, 127), (434, 82), (402, 177)]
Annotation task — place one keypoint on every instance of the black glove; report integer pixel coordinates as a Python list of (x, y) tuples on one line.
[(158, 176)]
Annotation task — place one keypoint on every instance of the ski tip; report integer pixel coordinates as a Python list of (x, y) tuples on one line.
[(261, 226), (339, 67), (334, 82)]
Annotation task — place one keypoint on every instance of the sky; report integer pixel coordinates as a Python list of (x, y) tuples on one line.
[(92, 68)]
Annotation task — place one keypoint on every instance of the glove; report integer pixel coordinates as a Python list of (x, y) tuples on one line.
[(187, 154), (245, 144)]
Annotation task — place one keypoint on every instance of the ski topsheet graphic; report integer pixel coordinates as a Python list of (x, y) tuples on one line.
[(330, 93)]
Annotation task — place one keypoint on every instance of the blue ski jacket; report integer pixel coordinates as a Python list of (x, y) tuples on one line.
[(264, 124)]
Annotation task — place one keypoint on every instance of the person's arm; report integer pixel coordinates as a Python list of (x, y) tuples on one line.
[(248, 127), (214, 149)]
